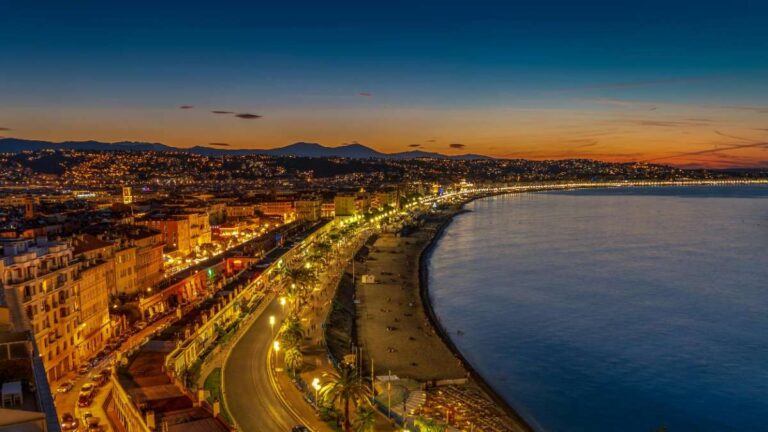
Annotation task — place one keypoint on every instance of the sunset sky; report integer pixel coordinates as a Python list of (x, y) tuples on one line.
[(682, 83)]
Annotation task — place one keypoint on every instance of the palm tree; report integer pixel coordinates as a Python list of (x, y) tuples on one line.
[(345, 386), (293, 359), (429, 425), (291, 333), (364, 419)]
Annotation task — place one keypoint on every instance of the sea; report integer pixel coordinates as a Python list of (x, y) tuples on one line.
[(617, 309)]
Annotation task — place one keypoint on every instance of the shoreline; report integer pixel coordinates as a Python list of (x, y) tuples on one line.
[(423, 278)]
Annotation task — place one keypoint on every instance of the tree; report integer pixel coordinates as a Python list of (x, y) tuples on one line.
[(294, 360), (291, 333), (364, 419), (429, 425), (345, 386)]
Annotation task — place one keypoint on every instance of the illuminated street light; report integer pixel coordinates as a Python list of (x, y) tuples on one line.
[(316, 386), (272, 325)]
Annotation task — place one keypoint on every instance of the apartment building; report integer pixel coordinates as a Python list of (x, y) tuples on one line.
[(96, 280), (39, 287), (308, 209)]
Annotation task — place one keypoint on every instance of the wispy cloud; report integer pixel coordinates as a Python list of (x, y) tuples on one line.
[(219, 144), (186, 107), (733, 136), (584, 142), (712, 151), (365, 94), (222, 112), (431, 140), (662, 123), (456, 145), (248, 116), (4, 129), (414, 145)]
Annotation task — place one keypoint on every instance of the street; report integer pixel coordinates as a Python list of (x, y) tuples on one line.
[(251, 398)]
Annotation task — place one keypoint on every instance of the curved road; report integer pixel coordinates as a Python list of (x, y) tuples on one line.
[(251, 398)]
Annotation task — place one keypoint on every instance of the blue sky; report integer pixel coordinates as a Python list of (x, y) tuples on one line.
[(313, 65)]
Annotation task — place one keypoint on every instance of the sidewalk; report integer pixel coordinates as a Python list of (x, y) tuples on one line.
[(316, 361)]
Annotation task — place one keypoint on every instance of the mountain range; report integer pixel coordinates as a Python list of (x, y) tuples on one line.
[(299, 149)]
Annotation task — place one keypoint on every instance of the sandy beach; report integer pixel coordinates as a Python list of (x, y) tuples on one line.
[(395, 329)]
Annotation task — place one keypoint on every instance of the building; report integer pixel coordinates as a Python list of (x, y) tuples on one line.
[(39, 284), (138, 256), (308, 209), (344, 204), (386, 198), (29, 407), (127, 195), (96, 280), (199, 229), (282, 208), (175, 232), (239, 211), (328, 210)]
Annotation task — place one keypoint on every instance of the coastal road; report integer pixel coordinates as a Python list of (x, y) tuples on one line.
[(251, 398)]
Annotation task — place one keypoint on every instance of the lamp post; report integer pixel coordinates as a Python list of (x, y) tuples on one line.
[(316, 386), (282, 303), (272, 325)]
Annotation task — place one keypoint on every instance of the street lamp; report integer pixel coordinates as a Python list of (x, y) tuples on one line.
[(316, 386), (282, 303), (272, 325)]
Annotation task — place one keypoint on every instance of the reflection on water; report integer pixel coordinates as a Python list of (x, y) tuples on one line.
[(615, 310)]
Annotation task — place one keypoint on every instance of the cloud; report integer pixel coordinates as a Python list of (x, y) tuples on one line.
[(414, 145), (219, 144), (663, 123), (456, 145), (248, 116), (757, 109), (733, 136), (4, 129), (432, 140), (186, 107), (366, 94), (583, 143), (222, 112), (713, 151)]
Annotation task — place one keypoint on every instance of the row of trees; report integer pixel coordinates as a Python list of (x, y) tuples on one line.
[(345, 388)]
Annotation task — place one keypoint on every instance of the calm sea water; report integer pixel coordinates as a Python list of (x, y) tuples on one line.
[(614, 310)]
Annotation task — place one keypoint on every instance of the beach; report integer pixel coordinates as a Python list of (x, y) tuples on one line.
[(397, 330)]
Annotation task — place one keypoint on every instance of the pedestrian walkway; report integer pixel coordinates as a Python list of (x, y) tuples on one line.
[(316, 361)]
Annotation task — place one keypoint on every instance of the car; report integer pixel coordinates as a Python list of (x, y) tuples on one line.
[(65, 387), (86, 416), (84, 368), (141, 325), (87, 388), (69, 422), (99, 379), (84, 400), (300, 428)]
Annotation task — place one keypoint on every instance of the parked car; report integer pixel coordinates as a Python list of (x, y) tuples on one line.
[(69, 422), (99, 379), (84, 400), (299, 428), (87, 389), (65, 387), (84, 368), (141, 325)]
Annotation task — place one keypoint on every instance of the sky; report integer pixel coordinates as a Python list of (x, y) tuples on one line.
[(673, 82)]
